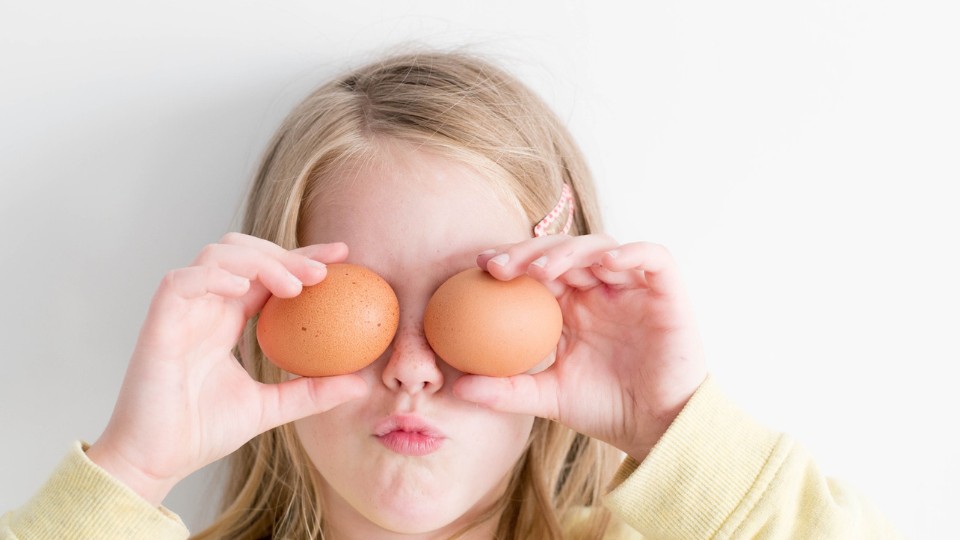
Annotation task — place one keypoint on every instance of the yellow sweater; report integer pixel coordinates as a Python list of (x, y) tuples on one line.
[(714, 474)]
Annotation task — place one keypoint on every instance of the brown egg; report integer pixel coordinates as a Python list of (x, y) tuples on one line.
[(338, 326), (479, 324)]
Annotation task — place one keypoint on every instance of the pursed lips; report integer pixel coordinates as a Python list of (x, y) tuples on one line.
[(409, 435)]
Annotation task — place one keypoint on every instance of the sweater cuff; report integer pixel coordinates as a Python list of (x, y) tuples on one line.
[(81, 500), (703, 476)]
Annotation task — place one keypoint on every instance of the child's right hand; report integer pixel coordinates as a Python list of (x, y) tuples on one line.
[(186, 401)]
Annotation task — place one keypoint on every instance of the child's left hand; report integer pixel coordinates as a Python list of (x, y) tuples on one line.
[(630, 355)]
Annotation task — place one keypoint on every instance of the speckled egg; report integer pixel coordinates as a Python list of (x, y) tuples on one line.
[(338, 326)]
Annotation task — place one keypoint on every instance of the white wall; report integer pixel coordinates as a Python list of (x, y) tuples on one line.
[(796, 157)]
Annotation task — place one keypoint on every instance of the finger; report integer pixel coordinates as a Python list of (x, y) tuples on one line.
[(580, 278), (260, 244), (308, 263), (304, 262), (632, 278), (197, 281), (522, 394), (305, 396), (579, 252), (326, 253), (660, 270), (331, 252), (507, 255), (547, 261), (268, 269)]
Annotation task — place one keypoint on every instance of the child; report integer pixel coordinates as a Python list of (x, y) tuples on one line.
[(419, 166)]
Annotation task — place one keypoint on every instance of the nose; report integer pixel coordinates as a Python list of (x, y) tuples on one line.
[(412, 365)]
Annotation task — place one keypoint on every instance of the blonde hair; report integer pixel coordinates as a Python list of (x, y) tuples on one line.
[(466, 108)]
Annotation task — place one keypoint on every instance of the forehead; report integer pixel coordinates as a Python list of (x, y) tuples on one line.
[(408, 207)]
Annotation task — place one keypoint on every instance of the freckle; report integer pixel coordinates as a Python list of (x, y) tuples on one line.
[(304, 328)]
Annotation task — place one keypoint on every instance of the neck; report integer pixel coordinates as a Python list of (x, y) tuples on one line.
[(483, 531), (343, 522)]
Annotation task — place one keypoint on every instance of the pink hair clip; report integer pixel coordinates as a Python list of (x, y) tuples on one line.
[(560, 219)]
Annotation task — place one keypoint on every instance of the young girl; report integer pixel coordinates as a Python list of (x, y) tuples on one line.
[(419, 166)]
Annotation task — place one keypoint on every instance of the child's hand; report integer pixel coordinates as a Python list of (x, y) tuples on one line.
[(630, 356), (186, 401)]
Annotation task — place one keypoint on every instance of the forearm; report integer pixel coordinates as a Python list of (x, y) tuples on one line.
[(81, 500), (718, 474)]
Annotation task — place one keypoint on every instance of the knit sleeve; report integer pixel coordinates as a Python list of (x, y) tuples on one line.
[(81, 500), (718, 474)]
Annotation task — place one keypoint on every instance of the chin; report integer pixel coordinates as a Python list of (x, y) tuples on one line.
[(420, 520), (418, 513)]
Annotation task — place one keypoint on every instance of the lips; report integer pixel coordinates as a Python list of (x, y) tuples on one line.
[(408, 435)]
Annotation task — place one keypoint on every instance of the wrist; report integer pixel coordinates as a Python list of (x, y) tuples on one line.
[(640, 448), (147, 486), (655, 428)]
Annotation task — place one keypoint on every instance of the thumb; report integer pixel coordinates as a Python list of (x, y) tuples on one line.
[(523, 394), (291, 400)]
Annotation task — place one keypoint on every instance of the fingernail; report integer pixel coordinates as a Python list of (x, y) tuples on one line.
[(486, 252), (294, 280), (315, 264), (613, 254), (500, 259), (541, 262)]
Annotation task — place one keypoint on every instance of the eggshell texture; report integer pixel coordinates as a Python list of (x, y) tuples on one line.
[(338, 326), (479, 324)]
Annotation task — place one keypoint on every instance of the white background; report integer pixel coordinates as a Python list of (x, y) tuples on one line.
[(800, 159)]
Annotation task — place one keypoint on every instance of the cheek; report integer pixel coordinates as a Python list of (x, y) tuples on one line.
[(499, 440), (465, 478), (325, 437)]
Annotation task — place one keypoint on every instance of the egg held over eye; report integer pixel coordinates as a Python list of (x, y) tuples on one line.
[(479, 324), (337, 326)]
